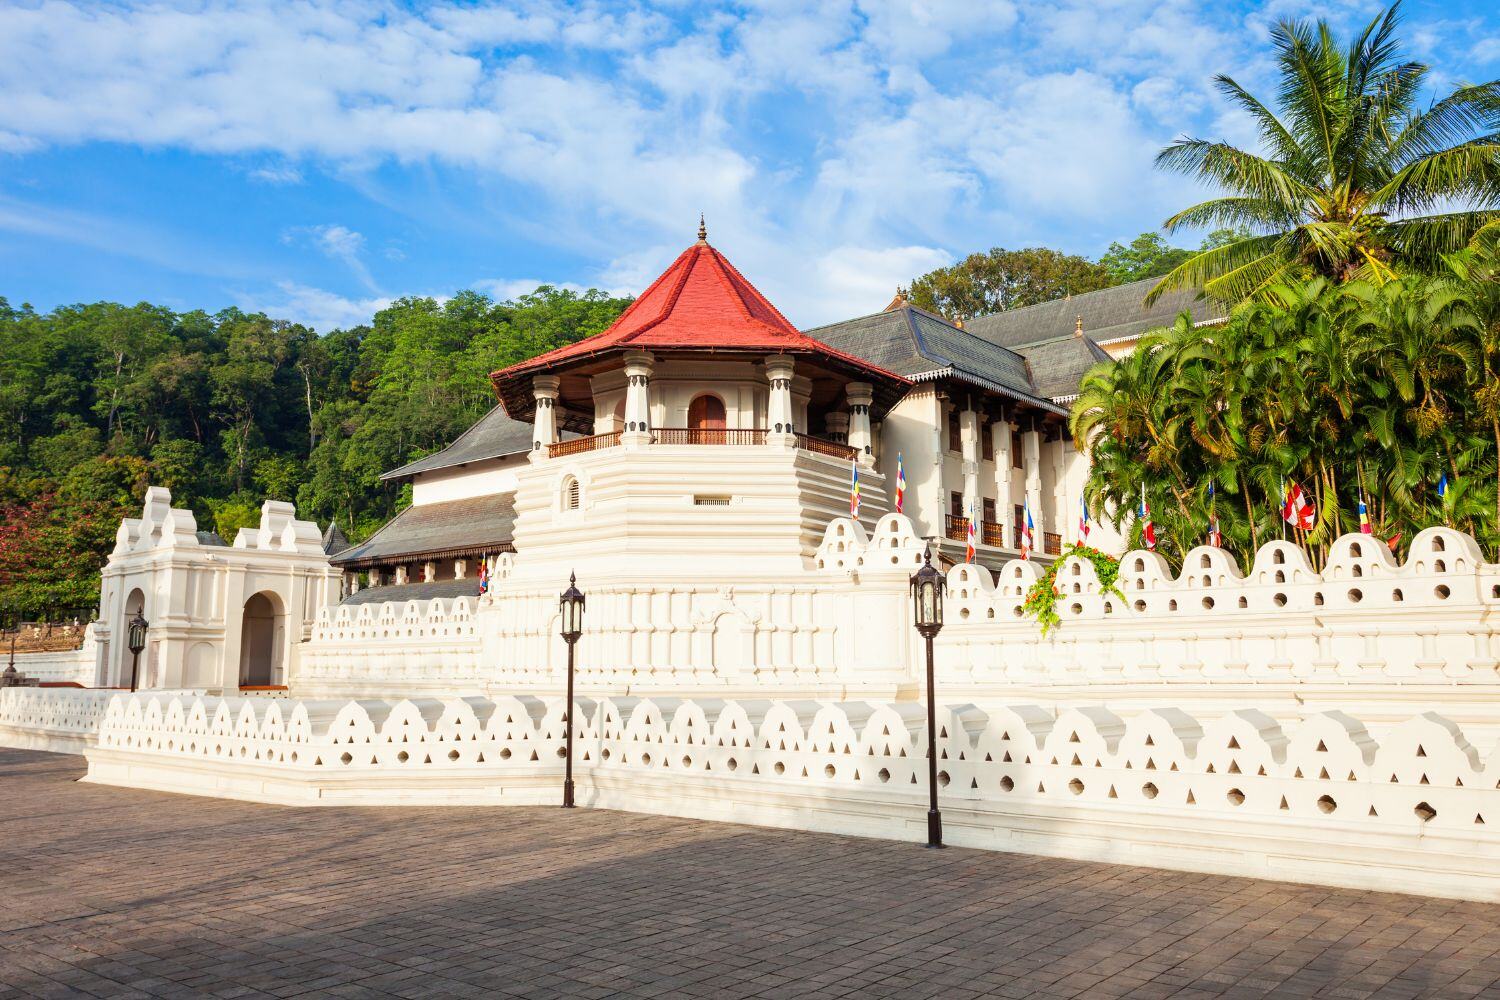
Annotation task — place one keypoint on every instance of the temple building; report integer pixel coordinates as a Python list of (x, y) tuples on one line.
[(702, 409)]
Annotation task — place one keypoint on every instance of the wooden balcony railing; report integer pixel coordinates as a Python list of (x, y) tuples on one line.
[(579, 446), (706, 435), (956, 528), (992, 533), (823, 446), (1052, 543)]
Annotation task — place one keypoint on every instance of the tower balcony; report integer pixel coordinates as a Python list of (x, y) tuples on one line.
[(710, 436)]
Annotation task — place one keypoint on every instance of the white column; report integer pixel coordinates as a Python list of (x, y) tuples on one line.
[(1004, 467), (968, 434), (400, 575), (861, 395), (639, 366), (1031, 454), (779, 418), (1062, 501), (460, 569), (544, 424), (429, 571)]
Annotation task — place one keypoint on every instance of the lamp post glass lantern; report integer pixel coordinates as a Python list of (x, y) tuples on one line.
[(570, 612), (135, 642), (927, 588)]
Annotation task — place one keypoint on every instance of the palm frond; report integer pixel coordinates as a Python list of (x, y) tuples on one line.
[(1200, 269)]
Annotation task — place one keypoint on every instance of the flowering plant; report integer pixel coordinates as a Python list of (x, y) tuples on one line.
[(1041, 599)]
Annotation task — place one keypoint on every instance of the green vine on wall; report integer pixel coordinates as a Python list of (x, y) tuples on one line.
[(1041, 599)]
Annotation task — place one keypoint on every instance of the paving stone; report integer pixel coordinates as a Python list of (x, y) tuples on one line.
[(119, 893)]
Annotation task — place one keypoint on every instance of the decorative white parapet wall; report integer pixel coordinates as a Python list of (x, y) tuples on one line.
[(1369, 635), (1317, 800), (412, 647), (60, 720), (1380, 639), (70, 666), (694, 626)]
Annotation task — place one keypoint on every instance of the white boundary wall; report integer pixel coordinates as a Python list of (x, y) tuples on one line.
[(59, 720), (70, 666), (1319, 800), (1381, 640)]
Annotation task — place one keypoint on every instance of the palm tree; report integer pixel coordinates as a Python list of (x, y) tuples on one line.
[(1353, 181)]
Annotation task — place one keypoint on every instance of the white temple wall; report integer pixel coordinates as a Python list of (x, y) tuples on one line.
[(912, 430), (1319, 799), (1207, 640), (477, 479), (72, 666), (194, 596)]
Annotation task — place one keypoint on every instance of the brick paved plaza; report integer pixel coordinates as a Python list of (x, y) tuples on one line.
[(111, 892)]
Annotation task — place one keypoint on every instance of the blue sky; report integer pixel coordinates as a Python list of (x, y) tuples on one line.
[(316, 160)]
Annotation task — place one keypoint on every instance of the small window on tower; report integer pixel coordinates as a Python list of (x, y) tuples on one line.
[(572, 496), (987, 444), (955, 438)]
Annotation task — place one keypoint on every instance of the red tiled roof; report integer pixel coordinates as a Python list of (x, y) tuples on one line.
[(701, 302)]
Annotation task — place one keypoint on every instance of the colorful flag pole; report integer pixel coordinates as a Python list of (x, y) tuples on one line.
[(1365, 527), (900, 483), (1443, 486), (1148, 530), (1297, 509), (484, 574), (1028, 532), (1083, 520), (854, 488), (1215, 537), (969, 536)]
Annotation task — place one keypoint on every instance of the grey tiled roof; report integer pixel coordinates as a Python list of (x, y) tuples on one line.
[(436, 530), (1059, 365), (917, 344), (400, 593), (334, 539), (493, 435), (1108, 314)]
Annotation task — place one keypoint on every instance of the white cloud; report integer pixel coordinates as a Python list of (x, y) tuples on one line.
[(282, 174), (337, 242), (510, 289), (322, 310), (806, 129), (856, 281)]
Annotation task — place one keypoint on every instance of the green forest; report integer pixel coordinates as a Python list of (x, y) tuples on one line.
[(227, 409)]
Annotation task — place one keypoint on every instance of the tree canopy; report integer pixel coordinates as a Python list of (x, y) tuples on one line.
[(1352, 180), (98, 401), (1356, 391)]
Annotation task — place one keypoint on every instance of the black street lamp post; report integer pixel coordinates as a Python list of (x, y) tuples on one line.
[(927, 586), (570, 604), (135, 643)]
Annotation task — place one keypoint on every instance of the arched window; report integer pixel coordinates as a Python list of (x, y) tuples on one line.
[(572, 496), (706, 415)]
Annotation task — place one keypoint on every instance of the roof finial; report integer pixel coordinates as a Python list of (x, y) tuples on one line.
[(702, 230), (1078, 326)]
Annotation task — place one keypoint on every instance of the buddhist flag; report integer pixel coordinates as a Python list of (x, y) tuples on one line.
[(484, 575), (900, 483), (1028, 532), (1148, 530), (1443, 486), (1083, 520), (854, 488), (1215, 536), (1365, 527), (969, 537), (1297, 509)]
